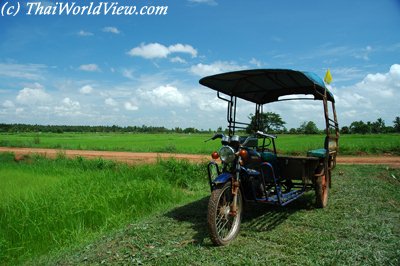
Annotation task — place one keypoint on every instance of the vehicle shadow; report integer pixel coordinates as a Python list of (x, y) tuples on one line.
[(262, 217), (194, 213), (257, 217)]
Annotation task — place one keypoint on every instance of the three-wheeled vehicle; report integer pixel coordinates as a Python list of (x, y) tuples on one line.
[(251, 169)]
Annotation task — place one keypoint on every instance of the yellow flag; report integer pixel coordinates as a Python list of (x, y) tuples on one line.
[(328, 77)]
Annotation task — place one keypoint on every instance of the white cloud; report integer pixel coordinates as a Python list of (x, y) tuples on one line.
[(182, 48), (19, 110), (31, 96), (68, 107), (110, 102), (27, 71), (177, 59), (255, 62), (131, 106), (87, 89), (394, 73), (149, 51), (157, 50), (90, 68), (214, 68), (165, 96), (111, 30), (372, 98), (8, 104), (209, 103), (85, 33), (71, 104)]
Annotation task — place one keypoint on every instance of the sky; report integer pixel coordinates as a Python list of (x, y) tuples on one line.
[(135, 70)]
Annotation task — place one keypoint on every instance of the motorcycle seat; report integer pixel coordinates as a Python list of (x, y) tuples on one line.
[(319, 153), (268, 157)]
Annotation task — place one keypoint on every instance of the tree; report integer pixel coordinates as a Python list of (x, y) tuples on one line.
[(396, 124), (345, 130), (378, 126), (311, 128), (308, 128), (190, 130), (268, 122), (178, 130), (359, 127)]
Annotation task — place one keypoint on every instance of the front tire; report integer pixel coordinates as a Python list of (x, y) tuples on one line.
[(222, 225)]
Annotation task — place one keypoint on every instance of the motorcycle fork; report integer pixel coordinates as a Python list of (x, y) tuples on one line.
[(235, 189)]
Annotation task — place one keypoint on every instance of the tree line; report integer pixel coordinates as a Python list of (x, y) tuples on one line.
[(356, 127), (269, 122), (361, 127), (272, 122), (14, 128)]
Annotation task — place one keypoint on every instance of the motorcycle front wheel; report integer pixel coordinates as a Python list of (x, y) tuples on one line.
[(224, 226)]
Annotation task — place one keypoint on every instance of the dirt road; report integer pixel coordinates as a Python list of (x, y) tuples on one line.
[(138, 158)]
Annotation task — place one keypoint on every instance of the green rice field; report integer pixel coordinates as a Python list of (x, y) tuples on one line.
[(47, 204), (194, 143)]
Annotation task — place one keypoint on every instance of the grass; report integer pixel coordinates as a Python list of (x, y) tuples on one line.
[(194, 143), (169, 143), (370, 144), (360, 226), (78, 211), (47, 205)]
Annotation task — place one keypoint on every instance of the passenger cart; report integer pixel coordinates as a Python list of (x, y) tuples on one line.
[(251, 169)]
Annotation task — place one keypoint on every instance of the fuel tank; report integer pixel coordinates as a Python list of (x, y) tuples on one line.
[(253, 159)]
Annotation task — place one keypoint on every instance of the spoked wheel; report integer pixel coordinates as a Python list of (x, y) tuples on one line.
[(322, 191), (223, 225)]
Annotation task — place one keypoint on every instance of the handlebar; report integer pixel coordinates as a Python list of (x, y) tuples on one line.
[(216, 136), (259, 133), (265, 135)]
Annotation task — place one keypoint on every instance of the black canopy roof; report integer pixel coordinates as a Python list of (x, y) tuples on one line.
[(267, 85)]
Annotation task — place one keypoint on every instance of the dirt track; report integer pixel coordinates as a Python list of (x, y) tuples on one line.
[(138, 158)]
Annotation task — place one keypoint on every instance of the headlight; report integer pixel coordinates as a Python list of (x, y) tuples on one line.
[(227, 154)]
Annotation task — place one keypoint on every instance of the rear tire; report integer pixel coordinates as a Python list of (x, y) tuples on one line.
[(322, 191), (223, 227)]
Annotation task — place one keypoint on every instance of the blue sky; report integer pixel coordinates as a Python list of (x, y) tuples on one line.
[(144, 70)]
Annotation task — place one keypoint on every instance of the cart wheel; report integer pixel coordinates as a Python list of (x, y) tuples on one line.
[(222, 225), (322, 191)]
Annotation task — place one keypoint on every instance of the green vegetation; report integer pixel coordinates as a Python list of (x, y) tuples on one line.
[(17, 128), (47, 205), (360, 226), (269, 122), (77, 211), (348, 144), (169, 143), (354, 144), (369, 144), (359, 127)]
